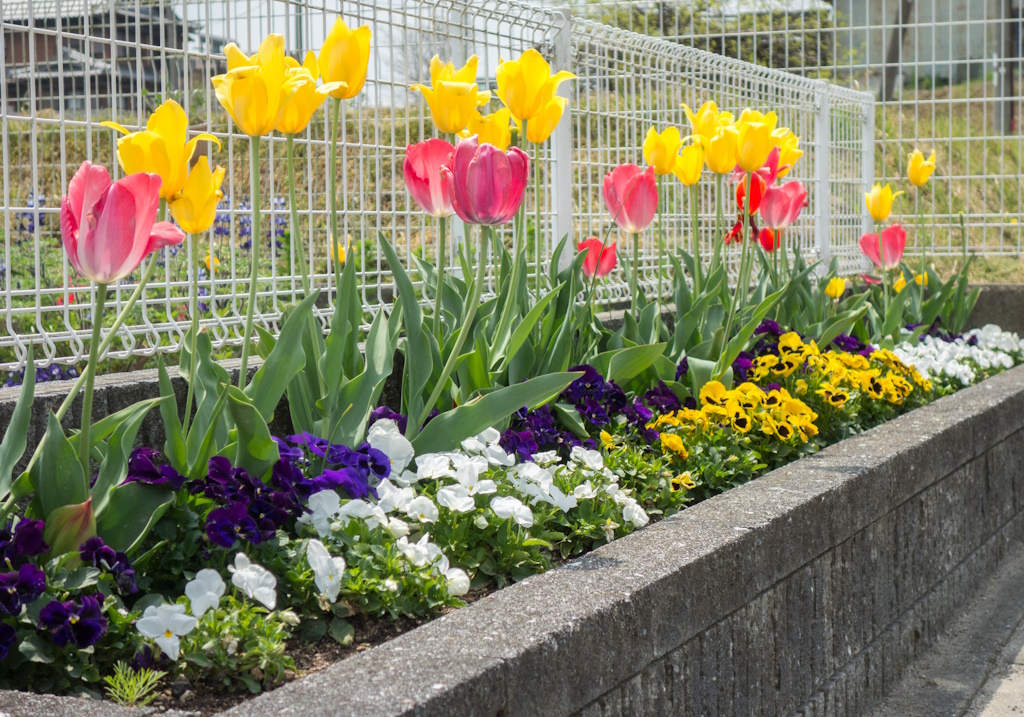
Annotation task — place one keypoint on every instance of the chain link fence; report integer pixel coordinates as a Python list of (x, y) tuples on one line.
[(68, 65)]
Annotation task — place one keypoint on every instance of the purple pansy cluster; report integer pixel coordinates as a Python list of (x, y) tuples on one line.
[(142, 468), (98, 554)]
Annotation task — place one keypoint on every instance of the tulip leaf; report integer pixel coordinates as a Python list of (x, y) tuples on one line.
[(174, 443), (359, 396), (255, 451), (572, 419), (631, 362), (418, 365), (57, 476), (114, 467), (16, 434), (207, 446), (283, 362), (839, 324), (208, 420), (739, 341), (526, 327), (446, 431), (132, 511), (702, 371)]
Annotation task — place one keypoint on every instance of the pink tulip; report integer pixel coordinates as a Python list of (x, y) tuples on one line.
[(631, 195), (781, 205), (424, 178), (894, 241), (870, 280), (487, 185), (600, 259), (108, 227)]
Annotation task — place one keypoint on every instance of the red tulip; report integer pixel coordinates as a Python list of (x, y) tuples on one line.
[(108, 227), (868, 279), (781, 205), (631, 195), (487, 185), (757, 190), (894, 241), (737, 229), (424, 178), (600, 259), (769, 239)]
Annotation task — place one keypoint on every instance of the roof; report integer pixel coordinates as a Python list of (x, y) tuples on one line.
[(14, 10), (74, 64)]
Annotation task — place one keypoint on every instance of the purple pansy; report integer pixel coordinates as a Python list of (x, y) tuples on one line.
[(71, 623), (142, 468), (20, 588), (96, 553), (7, 638), (227, 524)]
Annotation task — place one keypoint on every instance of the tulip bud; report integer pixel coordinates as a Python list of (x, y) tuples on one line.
[(69, 526)]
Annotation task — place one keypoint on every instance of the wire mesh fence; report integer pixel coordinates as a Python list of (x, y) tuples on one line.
[(947, 75), (70, 65)]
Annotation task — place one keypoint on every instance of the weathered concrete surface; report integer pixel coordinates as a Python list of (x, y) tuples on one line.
[(1003, 694), (1000, 304)]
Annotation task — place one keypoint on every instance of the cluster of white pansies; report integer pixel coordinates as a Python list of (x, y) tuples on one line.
[(960, 361), (167, 624)]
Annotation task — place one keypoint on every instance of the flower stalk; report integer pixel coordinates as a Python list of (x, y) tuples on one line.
[(90, 374), (254, 160)]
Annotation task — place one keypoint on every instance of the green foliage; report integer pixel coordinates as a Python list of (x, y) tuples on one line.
[(129, 687)]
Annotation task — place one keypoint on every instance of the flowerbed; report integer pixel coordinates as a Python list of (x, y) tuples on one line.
[(527, 433)]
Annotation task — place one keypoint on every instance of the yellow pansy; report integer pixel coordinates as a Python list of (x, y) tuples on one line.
[(662, 148), (255, 90), (835, 288), (162, 148), (494, 129), (919, 170), (453, 95), (344, 58), (689, 164), (713, 393), (671, 443), (879, 201), (308, 97), (526, 85), (195, 206), (683, 481)]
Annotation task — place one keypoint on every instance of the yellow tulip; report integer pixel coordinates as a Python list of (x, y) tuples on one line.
[(707, 120), (255, 90), (720, 151), (661, 149), (754, 145), (494, 129), (526, 85), (689, 164), (919, 170), (899, 284), (921, 280), (212, 262), (835, 288), (789, 150), (195, 206), (453, 95), (163, 147), (879, 201), (344, 57), (307, 98), (749, 116), (544, 123), (337, 250)]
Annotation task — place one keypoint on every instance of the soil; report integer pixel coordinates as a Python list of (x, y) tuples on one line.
[(209, 698)]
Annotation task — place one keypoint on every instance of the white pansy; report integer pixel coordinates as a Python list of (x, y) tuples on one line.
[(547, 458), (405, 478), (377, 517), (254, 580), (397, 527), (635, 514), (508, 507), (390, 498), (431, 466), (386, 438), (416, 553), (422, 509), (497, 456), (390, 585), (585, 491), (590, 460), (468, 475), (437, 558), (355, 510), (323, 507), (490, 436), (166, 624), (481, 522), (986, 348), (204, 591), (473, 445), (458, 582), (456, 498), (328, 570), (618, 495), (560, 500)]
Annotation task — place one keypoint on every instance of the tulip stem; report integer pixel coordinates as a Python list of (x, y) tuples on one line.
[(193, 240), (698, 268), (332, 198), (296, 234), (719, 223), (742, 284), (254, 180), (442, 235), (537, 220), (661, 257), (90, 375), (469, 313), (635, 267), (885, 276)]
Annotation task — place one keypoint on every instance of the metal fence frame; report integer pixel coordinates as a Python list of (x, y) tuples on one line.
[(42, 146)]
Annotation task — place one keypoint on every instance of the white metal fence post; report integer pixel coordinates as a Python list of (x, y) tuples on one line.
[(868, 160), (823, 174), (561, 145)]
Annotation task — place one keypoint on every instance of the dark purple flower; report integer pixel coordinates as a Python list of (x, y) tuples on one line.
[(400, 419), (226, 525), (768, 388), (313, 443), (20, 588), (637, 413), (690, 403), (769, 327), (662, 399), (522, 443), (651, 436), (70, 623), (434, 413), (145, 659), (7, 638), (592, 411), (142, 468), (683, 368), (590, 385), (743, 363), (96, 553), (849, 344), (288, 452), (28, 539), (351, 480)]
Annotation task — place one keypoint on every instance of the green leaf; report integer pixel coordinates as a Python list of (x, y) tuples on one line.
[(283, 363), (36, 649), (448, 430), (313, 630), (82, 578), (739, 341), (209, 421), (174, 443), (632, 361), (256, 451), (572, 419), (525, 328), (342, 632), (57, 476), (133, 510), (114, 467), (206, 448), (358, 397), (16, 434)]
